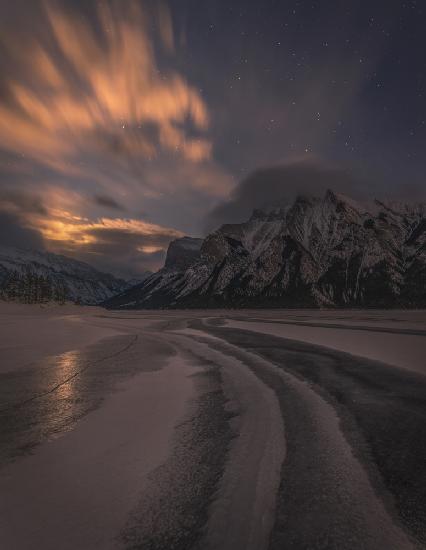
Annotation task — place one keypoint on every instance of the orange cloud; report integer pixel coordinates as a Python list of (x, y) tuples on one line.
[(57, 217), (88, 84), (64, 227), (123, 245), (150, 249), (89, 111)]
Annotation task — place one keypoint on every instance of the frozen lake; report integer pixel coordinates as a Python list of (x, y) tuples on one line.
[(236, 429)]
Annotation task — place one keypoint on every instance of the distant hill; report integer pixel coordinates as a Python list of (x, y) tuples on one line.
[(327, 251), (32, 276)]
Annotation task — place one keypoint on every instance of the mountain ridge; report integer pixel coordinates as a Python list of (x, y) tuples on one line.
[(328, 251), (37, 276)]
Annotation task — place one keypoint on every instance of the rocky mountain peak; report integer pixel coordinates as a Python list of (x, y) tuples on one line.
[(320, 251), (182, 253), (270, 215)]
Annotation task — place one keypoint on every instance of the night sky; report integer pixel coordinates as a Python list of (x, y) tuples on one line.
[(126, 124)]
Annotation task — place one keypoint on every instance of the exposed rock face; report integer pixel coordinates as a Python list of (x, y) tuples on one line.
[(328, 251), (33, 276), (182, 253)]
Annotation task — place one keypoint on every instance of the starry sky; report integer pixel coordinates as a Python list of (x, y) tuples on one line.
[(126, 124)]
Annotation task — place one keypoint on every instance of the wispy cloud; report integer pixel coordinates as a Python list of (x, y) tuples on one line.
[(85, 86), (95, 121), (124, 245)]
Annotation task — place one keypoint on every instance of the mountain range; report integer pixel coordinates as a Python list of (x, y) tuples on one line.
[(37, 276), (328, 251)]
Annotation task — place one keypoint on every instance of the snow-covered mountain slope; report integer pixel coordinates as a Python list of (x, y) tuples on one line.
[(328, 251), (34, 276)]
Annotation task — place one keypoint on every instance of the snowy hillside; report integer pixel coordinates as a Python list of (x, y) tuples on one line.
[(34, 276), (328, 251)]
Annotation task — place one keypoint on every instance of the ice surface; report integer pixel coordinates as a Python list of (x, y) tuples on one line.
[(29, 332), (402, 349), (78, 490), (161, 407)]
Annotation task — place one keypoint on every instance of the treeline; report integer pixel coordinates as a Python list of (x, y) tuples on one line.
[(31, 288)]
